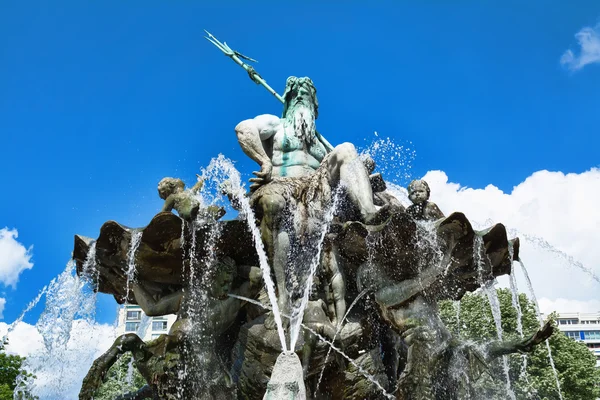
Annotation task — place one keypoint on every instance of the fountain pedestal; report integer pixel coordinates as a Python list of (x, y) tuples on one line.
[(287, 380)]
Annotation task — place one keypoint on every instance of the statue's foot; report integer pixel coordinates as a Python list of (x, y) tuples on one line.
[(378, 217)]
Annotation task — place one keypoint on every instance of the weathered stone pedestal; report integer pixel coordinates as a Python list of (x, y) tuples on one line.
[(287, 380)]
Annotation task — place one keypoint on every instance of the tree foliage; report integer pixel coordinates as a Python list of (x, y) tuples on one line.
[(531, 376), (11, 368), (123, 377)]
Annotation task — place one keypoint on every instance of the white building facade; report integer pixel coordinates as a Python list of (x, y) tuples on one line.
[(583, 327), (131, 319)]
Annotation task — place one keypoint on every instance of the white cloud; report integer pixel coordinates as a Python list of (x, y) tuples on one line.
[(566, 305), (23, 340), (14, 257), (2, 304), (556, 217), (589, 41), (60, 371)]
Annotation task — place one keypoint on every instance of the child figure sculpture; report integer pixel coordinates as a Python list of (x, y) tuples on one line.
[(422, 208), (172, 191)]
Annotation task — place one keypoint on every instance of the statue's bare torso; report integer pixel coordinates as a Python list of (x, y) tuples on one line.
[(290, 155)]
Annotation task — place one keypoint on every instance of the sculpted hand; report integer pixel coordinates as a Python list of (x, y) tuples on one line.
[(263, 176)]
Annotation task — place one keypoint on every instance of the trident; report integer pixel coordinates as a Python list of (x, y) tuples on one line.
[(237, 56), (255, 76)]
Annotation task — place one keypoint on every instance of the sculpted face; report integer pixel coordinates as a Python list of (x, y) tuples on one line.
[(224, 276), (300, 109), (418, 191), (168, 186)]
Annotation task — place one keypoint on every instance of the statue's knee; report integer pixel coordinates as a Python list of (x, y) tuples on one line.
[(272, 204), (346, 151)]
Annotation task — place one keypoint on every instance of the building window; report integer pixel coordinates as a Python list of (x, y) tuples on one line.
[(572, 335), (134, 315), (569, 321), (591, 335), (159, 325), (131, 326)]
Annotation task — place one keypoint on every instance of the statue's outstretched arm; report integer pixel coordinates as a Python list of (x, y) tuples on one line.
[(198, 186), (498, 349), (169, 204), (396, 294), (168, 304)]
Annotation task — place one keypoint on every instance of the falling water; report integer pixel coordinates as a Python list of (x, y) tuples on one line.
[(541, 320), (364, 373), (136, 238), (130, 370), (198, 353), (515, 292), (492, 296), (31, 304), (145, 323), (225, 166), (429, 246), (457, 309), (517, 306), (369, 377), (66, 300), (23, 387), (543, 244), (297, 314), (200, 311), (393, 160), (91, 276), (337, 331), (490, 291), (89, 265), (182, 240)]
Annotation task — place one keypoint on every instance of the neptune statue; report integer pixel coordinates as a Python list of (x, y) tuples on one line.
[(356, 274)]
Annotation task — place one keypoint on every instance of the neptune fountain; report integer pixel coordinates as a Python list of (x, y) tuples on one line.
[(324, 286)]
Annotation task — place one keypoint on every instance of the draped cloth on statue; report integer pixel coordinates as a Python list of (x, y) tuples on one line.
[(306, 196)]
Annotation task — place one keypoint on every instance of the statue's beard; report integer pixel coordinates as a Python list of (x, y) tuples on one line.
[(303, 123)]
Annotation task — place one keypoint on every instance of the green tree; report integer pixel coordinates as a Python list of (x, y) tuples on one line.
[(575, 364), (11, 367), (123, 377)]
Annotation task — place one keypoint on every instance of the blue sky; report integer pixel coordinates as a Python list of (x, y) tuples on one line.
[(99, 101)]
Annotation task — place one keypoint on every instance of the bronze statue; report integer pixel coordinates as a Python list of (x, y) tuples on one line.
[(422, 208), (394, 340), (172, 191)]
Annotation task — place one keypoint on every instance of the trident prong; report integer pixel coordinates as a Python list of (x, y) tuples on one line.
[(237, 56), (225, 48)]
